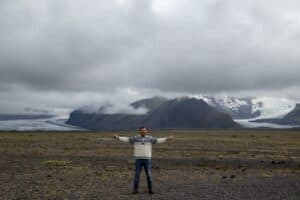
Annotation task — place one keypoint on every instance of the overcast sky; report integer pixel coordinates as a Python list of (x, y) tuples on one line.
[(65, 54)]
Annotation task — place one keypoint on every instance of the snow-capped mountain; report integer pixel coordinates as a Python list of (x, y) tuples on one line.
[(237, 107), (242, 109), (251, 107)]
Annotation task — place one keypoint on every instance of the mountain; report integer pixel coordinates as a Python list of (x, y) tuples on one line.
[(179, 113), (250, 107), (150, 103), (187, 112), (237, 108), (292, 118)]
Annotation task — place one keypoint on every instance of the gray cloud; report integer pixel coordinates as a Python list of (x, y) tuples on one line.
[(99, 48)]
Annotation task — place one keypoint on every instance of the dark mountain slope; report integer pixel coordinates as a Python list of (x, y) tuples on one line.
[(180, 113)]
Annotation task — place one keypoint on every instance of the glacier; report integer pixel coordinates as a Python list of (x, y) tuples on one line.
[(49, 124)]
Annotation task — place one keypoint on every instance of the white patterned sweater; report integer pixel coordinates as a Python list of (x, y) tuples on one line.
[(143, 145)]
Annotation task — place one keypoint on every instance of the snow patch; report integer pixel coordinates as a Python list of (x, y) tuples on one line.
[(270, 107)]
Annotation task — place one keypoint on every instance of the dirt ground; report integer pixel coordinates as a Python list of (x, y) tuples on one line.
[(232, 164)]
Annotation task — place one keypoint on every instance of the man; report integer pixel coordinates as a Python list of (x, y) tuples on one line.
[(142, 153)]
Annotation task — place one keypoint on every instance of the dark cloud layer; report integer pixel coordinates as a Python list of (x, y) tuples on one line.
[(99, 47)]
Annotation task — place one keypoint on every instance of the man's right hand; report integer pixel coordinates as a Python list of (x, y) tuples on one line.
[(116, 136)]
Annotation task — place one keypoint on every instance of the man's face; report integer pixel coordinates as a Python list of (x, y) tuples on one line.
[(143, 131)]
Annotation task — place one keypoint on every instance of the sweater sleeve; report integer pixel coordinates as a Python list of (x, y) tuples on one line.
[(130, 140), (155, 140), (123, 139), (161, 140)]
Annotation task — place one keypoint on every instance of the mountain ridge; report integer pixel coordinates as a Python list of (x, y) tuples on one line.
[(180, 113)]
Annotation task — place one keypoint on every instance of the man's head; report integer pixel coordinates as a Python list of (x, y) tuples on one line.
[(143, 131)]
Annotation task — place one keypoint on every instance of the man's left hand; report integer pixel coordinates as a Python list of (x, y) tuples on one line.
[(170, 137)]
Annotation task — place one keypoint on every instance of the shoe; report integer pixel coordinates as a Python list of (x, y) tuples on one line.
[(135, 192), (151, 192)]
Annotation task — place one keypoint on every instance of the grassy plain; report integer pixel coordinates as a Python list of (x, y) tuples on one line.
[(197, 164)]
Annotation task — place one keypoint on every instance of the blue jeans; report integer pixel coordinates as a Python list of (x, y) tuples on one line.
[(139, 163)]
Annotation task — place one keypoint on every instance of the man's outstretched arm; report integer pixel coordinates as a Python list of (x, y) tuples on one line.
[(162, 140), (124, 139)]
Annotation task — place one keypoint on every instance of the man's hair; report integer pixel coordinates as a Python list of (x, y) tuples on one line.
[(141, 127)]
